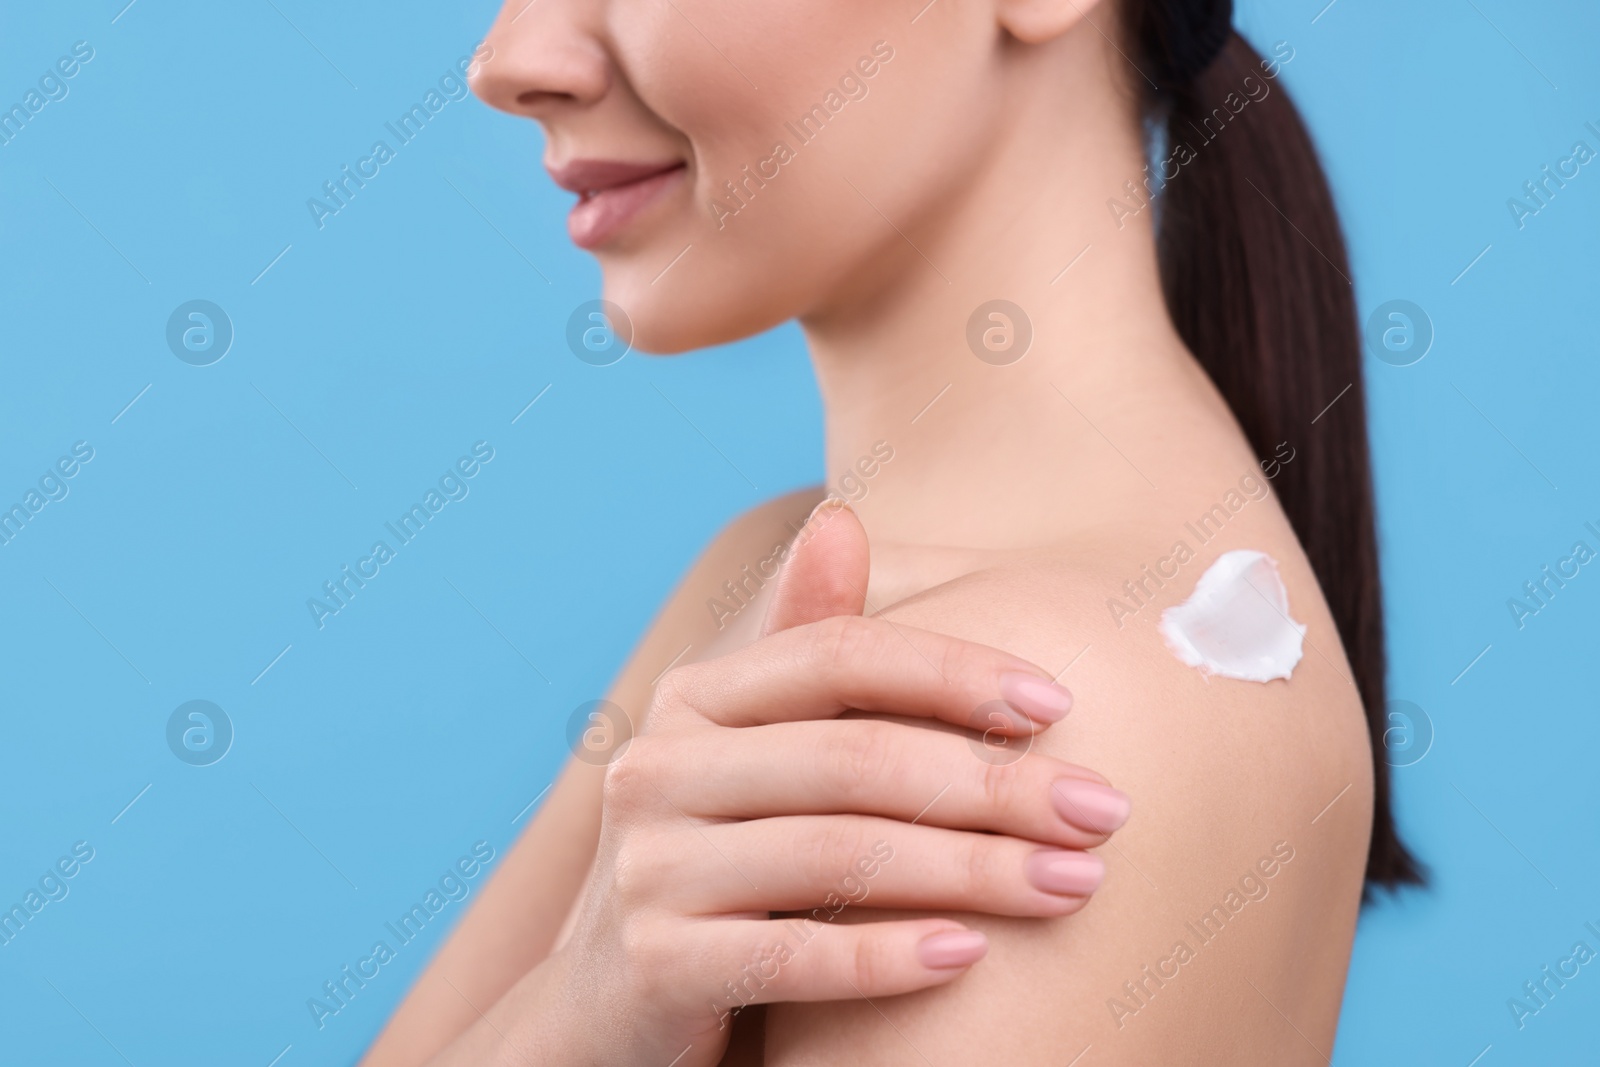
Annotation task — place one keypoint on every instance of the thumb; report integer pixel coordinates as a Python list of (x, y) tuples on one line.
[(826, 572)]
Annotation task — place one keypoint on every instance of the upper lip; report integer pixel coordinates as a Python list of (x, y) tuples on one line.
[(588, 176)]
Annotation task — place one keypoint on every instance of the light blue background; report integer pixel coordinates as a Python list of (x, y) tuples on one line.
[(430, 713)]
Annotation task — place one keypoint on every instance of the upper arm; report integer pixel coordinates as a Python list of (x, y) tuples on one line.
[(1228, 781)]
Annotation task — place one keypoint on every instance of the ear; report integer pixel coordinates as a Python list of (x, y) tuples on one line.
[(826, 572), (1038, 21)]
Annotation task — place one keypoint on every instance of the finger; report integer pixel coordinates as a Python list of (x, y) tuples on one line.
[(783, 960), (826, 570), (821, 669), (871, 767), (823, 864)]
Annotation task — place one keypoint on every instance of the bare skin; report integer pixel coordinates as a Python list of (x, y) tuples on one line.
[(1019, 502), (1238, 769)]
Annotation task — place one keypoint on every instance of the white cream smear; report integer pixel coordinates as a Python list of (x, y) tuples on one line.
[(1236, 623)]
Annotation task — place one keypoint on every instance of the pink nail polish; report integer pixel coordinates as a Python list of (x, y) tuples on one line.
[(1090, 805), (1038, 698), (1073, 874), (952, 948)]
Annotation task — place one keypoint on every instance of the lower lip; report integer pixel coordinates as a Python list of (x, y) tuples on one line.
[(596, 219)]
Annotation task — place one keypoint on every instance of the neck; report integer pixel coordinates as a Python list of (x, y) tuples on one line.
[(1004, 456)]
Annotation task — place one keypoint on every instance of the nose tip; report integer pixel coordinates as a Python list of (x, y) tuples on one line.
[(536, 65)]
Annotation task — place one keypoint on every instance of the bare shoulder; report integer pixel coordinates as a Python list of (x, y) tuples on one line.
[(1231, 896)]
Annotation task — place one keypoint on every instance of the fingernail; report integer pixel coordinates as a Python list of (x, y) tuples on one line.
[(1090, 805), (1075, 874), (828, 503), (1040, 700), (953, 948)]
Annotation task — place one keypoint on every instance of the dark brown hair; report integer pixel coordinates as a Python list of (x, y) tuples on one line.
[(1257, 283)]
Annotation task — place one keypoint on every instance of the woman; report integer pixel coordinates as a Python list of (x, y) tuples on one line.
[(1057, 402)]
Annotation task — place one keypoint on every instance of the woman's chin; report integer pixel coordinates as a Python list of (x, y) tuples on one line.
[(673, 335), (670, 319)]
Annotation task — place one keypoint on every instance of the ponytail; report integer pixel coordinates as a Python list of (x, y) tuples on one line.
[(1257, 283)]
